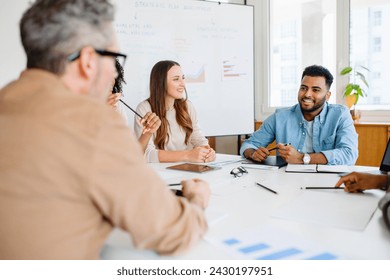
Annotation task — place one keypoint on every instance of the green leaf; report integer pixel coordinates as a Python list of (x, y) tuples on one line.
[(359, 91), (349, 86), (356, 87), (348, 90), (346, 70)]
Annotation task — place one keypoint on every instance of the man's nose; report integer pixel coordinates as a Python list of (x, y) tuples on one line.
[(309, 93)]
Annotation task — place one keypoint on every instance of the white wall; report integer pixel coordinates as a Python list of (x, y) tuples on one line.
[(12, 56)]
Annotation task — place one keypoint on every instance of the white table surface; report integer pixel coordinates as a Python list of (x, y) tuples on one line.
[(238, 205)]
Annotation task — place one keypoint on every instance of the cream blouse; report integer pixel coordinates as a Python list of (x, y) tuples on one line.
[(176, 133)]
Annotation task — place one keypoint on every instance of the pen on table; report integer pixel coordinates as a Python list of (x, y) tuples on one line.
[(135, 112), (321, 188), (268, 189), (274, 148)]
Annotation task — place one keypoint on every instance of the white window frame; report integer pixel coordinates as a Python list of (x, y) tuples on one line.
[(262, 60)]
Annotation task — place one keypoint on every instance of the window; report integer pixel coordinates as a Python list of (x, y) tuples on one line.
[(288, 52), (377, 44), (302, 33), (375, 75), (370, 47), (377, 18), (289, 75), (288, 29)]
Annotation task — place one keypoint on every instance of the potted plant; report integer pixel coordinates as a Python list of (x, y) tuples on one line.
[(353, 90)]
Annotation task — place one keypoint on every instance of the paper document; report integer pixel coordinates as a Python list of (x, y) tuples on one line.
[(332, 208), (259, 166), (222, 159), (318, 168), (214, 216), (272, 243)]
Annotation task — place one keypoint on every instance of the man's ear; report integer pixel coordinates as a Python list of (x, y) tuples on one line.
[(80, 75), (87, 62), (328, 94)]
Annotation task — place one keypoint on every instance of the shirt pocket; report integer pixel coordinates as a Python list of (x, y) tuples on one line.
[(329, 142)]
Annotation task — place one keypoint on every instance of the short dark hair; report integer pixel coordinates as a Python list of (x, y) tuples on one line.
[(318, 71)]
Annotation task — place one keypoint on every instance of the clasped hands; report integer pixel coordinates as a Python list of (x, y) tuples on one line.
[(201, 154)]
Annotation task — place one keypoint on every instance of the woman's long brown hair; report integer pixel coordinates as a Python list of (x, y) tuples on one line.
[(158, 91)]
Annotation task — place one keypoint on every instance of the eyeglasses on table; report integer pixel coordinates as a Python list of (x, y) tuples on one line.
[(238, 171)]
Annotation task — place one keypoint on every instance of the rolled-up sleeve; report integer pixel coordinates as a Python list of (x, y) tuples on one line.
[(346, 142), (261, 137)]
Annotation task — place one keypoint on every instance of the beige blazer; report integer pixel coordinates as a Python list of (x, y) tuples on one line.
[(71, 170)]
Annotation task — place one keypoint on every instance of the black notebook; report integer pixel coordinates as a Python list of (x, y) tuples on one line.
[(270, 160)]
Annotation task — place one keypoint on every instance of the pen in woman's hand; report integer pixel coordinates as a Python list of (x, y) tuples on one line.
[(135, 112)]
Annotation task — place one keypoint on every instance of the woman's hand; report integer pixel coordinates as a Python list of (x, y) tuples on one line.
[(197, 154), (210, 155), (150, 122), (113, 99)]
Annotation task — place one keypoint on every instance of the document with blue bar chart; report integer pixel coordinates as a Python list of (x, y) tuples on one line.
[(272, 243)]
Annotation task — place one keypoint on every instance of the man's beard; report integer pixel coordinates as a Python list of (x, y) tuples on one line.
[(315, 107)]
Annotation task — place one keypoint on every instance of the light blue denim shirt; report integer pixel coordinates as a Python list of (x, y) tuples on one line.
[(334, 134)]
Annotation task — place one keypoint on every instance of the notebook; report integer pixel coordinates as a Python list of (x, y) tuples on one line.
[(318, 168), (270, 161)]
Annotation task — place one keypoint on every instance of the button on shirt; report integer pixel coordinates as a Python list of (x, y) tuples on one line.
[(334, 134)]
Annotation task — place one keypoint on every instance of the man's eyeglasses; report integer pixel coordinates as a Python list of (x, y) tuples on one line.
[(384, 205), (119, 56), (238, 171)]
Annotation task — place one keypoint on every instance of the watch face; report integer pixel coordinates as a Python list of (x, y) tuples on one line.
[(306, 159)]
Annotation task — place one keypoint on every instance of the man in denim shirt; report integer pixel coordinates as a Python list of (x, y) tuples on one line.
[(311, 131)]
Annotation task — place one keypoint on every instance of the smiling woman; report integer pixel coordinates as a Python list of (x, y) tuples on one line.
[(179, 137)]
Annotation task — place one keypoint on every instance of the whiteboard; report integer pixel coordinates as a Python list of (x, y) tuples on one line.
[(212, 42)]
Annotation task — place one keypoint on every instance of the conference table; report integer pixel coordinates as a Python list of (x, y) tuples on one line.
[(247, 221)]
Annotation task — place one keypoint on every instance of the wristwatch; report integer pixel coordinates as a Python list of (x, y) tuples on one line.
[(306, 159)]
